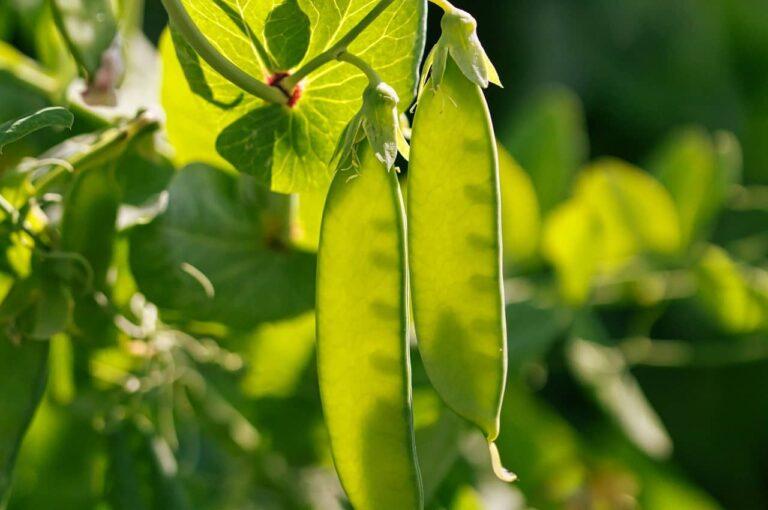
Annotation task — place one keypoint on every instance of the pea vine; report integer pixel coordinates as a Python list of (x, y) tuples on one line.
[(306, 98)]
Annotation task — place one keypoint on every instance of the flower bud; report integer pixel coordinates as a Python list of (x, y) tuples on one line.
[(381, 121), (459, 39)]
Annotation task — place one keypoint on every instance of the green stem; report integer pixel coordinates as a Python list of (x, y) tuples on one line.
[(444, 5), (106, 149), (337, 49), (182, 22), (373, 77)]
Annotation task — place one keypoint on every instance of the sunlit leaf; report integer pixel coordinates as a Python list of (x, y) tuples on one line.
[(698, 174), (737, 296), (289, 148), (520, 216)]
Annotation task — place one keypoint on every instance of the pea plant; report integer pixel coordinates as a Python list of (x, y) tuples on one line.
[(298, 100)]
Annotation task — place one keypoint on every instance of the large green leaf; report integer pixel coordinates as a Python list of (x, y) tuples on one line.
[(23, 372), (209, 256), (289, 148)]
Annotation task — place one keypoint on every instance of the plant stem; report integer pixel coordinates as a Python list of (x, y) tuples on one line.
[(106, 149), (337, 49), (444, 5), (373, 77), (182, 22)]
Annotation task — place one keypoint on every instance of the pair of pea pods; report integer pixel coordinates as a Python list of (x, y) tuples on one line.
[(447, 260)]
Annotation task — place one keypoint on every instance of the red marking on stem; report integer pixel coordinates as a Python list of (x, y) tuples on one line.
[(293, 96)]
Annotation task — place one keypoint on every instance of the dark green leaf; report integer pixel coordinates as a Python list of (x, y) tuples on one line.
[(211, 257), (47, 117), (287, 34), (23, 373)]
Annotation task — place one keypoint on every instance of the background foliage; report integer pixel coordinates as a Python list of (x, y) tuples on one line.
[(636, 229)]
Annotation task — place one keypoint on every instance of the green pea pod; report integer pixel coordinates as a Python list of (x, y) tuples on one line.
[(23, 373), (455, 249), (362, 338)]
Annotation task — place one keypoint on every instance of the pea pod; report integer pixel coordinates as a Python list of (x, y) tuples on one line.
[(362, 325), (455, 249), (23, 373)]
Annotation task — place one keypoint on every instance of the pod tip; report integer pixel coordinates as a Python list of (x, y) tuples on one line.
[(499, 470)]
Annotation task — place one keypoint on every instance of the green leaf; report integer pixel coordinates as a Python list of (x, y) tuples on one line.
[(520, 215), (292, 342), (691, 167), (287, 32), (88, 229), (362, 339), (289, 149), (211, 257), (193, 72), (618, 213), (736, 296), (89, 220), (14, 130), (89, 27), (549, 140), (454, 242), (23, 373)]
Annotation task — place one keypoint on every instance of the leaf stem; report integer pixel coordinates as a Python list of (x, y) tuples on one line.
[(106, 149), (183, 22), (444, 5), (373, 77), (337, 49)]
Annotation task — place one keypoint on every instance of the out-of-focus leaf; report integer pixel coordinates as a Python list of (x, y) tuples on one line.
[(532, 329), (617, 213), (520, 216), (88, 224), (541, 448), (467, 498), (277, 357), (67, 453), (438, 435), (14, 130), (698, 172), (142, 172), (212, 257), (604, 371), (88, 229), (23, 373), (736, 296), (89, 27), (548, 138)]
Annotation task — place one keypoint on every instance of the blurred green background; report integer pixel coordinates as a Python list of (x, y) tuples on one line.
[(635, 194)]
